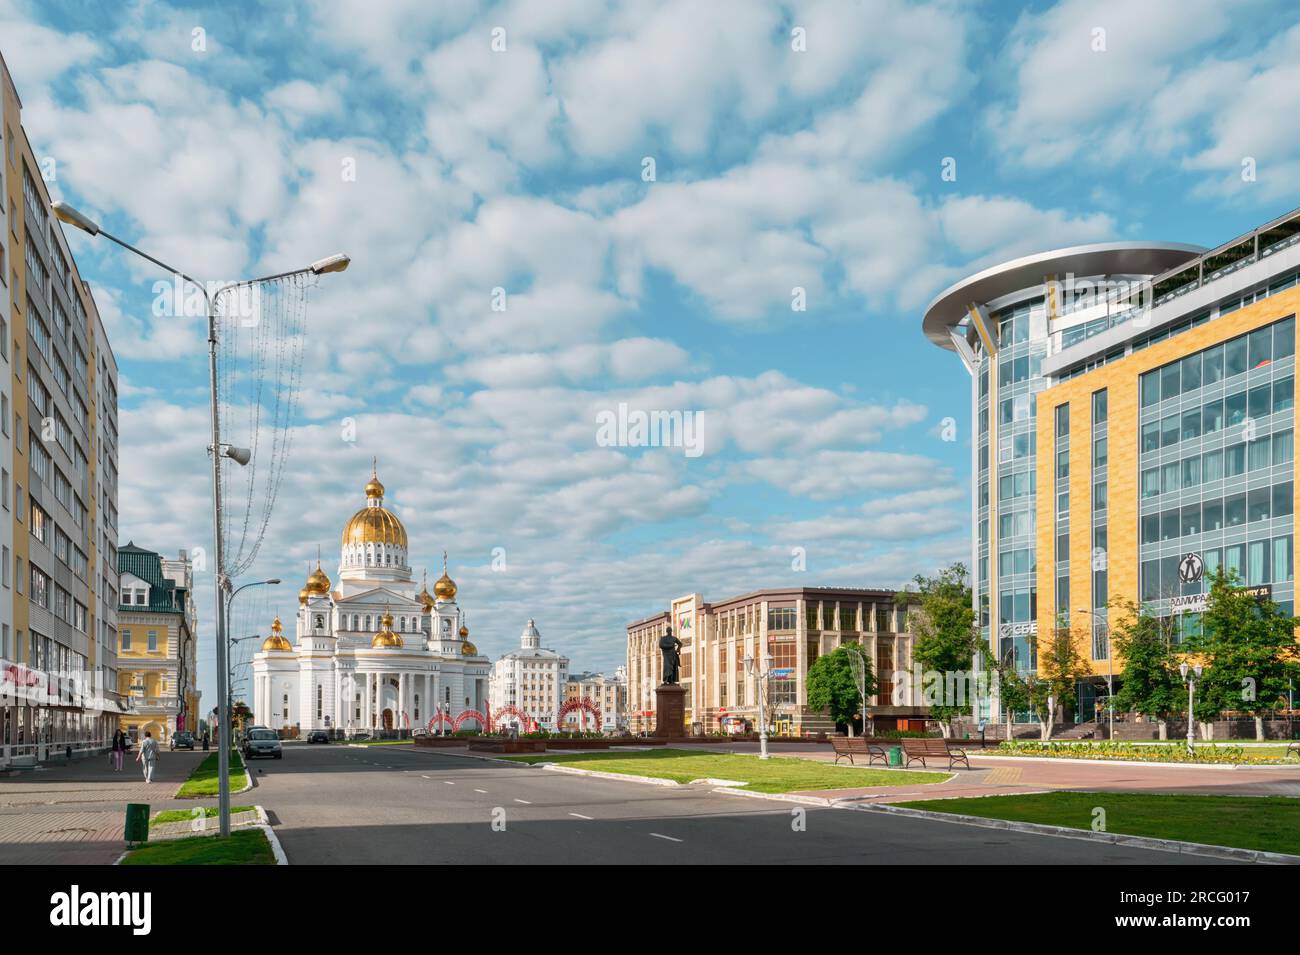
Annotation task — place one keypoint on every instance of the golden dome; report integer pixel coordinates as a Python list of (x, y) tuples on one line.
[(319, 581), (276, 640), (425, 597), (303, 595), (374, 523), (386, 637), (464, 631), (444, 587), (468, 649)]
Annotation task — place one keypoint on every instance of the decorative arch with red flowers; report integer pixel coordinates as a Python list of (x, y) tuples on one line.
[(440, 717), (466, 715), (583, 704), (527, 722)]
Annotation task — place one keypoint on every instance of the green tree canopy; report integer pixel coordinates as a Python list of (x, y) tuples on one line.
[(946, 639), (1247, 647), (831, 685), (1150, 683)]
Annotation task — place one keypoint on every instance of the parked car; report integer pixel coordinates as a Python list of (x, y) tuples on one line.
[(262, 742), (182, 740), (318, 736)]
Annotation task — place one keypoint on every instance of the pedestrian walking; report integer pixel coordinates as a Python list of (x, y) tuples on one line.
[(119, 748), (148, 755)]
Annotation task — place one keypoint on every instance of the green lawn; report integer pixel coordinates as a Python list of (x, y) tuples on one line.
[(184, 815), (775, 775), (1270, 823), (203, 781), (249, 847)]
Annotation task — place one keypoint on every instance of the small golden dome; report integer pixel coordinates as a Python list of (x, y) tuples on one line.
[(374, 488), (319, 581), (468, 649), (464, 631), (444, 587), (303, 595), (425, 598), (386, 637), (276, 640)]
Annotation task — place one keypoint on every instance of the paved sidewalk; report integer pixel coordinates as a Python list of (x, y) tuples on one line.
[(74, 813)]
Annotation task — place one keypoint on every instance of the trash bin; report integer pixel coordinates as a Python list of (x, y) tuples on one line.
[(137, 822), (895, 756)]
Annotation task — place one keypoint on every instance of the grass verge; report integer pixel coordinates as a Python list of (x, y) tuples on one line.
[(1268, 823), (203, 781), (775, 775), (184, 815), (249, 847)]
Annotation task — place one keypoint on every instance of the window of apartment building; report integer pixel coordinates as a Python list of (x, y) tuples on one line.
[(4, 565), (125, 635), (40, 592), (152, 637)]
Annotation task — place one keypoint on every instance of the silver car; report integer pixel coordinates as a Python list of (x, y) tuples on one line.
[(262, 742)]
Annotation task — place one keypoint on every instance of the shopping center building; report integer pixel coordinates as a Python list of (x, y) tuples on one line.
[(1132, 404), (784, 631)]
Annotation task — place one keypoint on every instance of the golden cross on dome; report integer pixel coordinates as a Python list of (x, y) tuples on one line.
[(444, 563)]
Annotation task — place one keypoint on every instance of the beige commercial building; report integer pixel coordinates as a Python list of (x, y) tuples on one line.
[(785, 629)]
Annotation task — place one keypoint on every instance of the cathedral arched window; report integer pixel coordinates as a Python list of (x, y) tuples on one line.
[(401, 623)]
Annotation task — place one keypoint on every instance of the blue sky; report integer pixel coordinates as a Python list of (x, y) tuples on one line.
[(522, 168)]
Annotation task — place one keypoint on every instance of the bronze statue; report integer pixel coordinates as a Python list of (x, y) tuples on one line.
[(671, 648)]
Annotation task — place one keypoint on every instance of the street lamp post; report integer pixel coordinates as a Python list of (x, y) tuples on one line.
[(1190, 675), (334, 263), (754, 668)]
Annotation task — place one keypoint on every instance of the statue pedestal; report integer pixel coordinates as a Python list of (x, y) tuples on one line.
[(670, 710)]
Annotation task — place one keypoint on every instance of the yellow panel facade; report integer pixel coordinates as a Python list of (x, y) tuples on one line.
[(1121, 379)]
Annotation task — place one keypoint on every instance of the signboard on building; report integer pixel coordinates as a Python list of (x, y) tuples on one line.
[(1198, 603), (1018, 629), (1191, 568)]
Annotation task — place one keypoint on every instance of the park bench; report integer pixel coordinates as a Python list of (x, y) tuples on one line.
[(851, 745), (1293, 748), (915, 749)]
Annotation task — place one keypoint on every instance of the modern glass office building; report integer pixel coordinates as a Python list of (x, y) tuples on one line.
[(1133, 413)]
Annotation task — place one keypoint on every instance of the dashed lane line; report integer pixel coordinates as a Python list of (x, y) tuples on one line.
[(524, 802), (660, 835), (578, 815)]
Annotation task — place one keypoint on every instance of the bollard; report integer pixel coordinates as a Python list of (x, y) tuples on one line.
[(137, 823)]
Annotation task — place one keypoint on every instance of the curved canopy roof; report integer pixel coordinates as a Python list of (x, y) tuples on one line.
[(949, 308)]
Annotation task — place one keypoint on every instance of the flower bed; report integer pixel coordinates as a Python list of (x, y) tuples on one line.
[(1140, 752)]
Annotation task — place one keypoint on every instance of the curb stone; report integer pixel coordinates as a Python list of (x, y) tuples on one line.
[(1113, 838)]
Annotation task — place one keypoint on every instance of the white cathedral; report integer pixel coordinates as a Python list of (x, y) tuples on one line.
[(372, 654)]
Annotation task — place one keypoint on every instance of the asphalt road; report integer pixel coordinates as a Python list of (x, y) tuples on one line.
[(338, 804)]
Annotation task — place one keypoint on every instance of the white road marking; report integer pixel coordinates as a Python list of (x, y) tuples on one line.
[(661, 836), (426, 777), (578, 815), (448, 782), (524, 802), (483, 791)]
